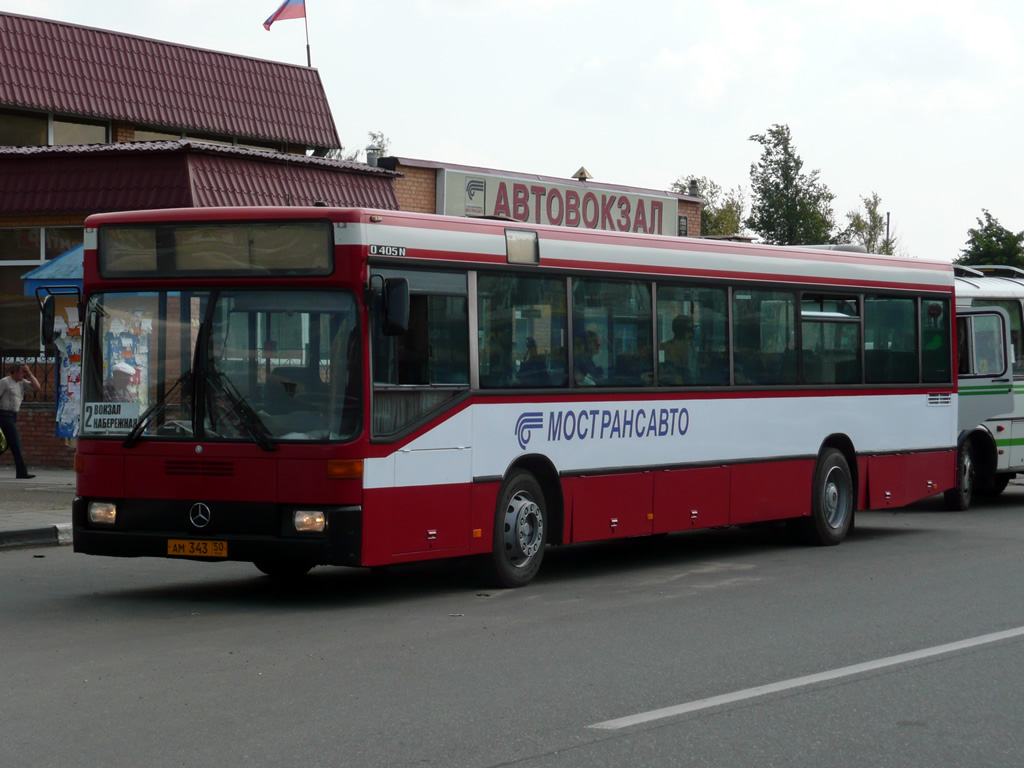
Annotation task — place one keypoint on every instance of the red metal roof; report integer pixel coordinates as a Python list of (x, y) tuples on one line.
[(53, 66), (179, 174)]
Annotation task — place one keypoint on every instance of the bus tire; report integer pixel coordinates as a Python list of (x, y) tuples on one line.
[(520, 531), (831, 501), (284, 570), (959, 497), (996, 487)]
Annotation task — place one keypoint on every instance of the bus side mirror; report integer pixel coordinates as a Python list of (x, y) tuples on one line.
[(46, 296), (48, 309), (396, 306)]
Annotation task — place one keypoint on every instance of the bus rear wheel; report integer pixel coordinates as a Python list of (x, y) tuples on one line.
[(959, 498), (832, 501), (520, 531)]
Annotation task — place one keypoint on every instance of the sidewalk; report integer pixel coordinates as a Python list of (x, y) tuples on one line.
[(36, 512)]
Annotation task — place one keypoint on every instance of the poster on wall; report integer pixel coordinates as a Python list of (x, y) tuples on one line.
[(68, 341)]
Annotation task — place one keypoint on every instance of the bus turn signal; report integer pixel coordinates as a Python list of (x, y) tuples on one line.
[(344, 469)]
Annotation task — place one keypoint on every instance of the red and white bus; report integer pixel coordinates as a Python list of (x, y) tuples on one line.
[(312, 386)]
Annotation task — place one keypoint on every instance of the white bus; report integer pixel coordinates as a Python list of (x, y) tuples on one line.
[(992, 444)]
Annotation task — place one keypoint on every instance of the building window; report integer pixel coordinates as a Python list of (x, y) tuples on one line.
[(34, 245), (68, 131), (22, 130), (21, 244), (58, 240), (21, 249), (144, 135)]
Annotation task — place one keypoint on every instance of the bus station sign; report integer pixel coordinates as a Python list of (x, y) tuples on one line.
[(538, 201)]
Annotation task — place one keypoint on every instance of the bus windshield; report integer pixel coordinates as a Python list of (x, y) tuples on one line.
[(263, 366)]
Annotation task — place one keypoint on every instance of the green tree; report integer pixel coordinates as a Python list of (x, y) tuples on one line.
[(992, 243), (721, 212), (868, 227), (788, 206), (377, 138), (382, 142)]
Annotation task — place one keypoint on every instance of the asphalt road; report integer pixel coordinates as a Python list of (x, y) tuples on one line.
[(163, 663)]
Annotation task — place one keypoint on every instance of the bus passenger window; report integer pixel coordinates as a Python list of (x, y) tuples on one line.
[(830, 339), (522, 331), (693, 336), (764, 333), (890, 340), (613, 344)]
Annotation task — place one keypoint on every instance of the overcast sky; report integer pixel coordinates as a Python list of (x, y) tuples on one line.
[(917, 100)]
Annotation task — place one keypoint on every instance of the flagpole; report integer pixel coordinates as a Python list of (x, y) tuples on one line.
[(305, 18)]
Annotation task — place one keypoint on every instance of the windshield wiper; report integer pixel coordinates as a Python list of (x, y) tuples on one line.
[(155, 410), (240, 407)]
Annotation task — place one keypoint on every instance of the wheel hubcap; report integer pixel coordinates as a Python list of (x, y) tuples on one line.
[(835, 498), (524, 529)]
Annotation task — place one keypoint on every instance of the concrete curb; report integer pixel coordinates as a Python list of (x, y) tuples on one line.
[(49, 536)]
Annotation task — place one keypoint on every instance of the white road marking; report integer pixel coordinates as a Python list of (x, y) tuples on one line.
[(799, 682)]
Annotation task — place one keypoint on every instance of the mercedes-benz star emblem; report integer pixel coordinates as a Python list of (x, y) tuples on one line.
[(199, 515)]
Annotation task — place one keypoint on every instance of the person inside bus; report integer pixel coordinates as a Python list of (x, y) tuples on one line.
[(116, 389), (678, 355), (588, 372), (532, 368)]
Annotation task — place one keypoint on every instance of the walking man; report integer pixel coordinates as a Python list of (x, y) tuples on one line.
[(12, 392)]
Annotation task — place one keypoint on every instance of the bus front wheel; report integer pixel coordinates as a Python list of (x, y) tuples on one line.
[(520, 531), (832, 501)]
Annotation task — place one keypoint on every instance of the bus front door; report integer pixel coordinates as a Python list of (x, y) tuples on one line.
[(984, 366)]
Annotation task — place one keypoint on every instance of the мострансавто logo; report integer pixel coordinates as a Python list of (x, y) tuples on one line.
[(604, 424), (526, 424)]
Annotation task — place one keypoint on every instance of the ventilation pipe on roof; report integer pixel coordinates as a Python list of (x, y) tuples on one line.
[(372, 155), (694, 191)]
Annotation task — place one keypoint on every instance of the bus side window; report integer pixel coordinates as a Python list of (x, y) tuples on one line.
[(613, 334), (417, 371), (890, 340), (765, 334), (522, 331)]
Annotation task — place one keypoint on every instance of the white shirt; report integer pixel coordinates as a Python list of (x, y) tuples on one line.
[(12, 393)]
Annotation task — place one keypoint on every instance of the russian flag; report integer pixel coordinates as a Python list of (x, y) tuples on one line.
[(290, 9)]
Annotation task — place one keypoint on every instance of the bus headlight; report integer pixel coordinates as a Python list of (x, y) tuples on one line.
[(104, 512), (309, 521)]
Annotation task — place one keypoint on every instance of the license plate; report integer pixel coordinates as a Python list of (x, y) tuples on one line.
[(197, 548)]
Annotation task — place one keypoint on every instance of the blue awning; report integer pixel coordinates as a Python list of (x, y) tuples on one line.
[(66, 269)]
